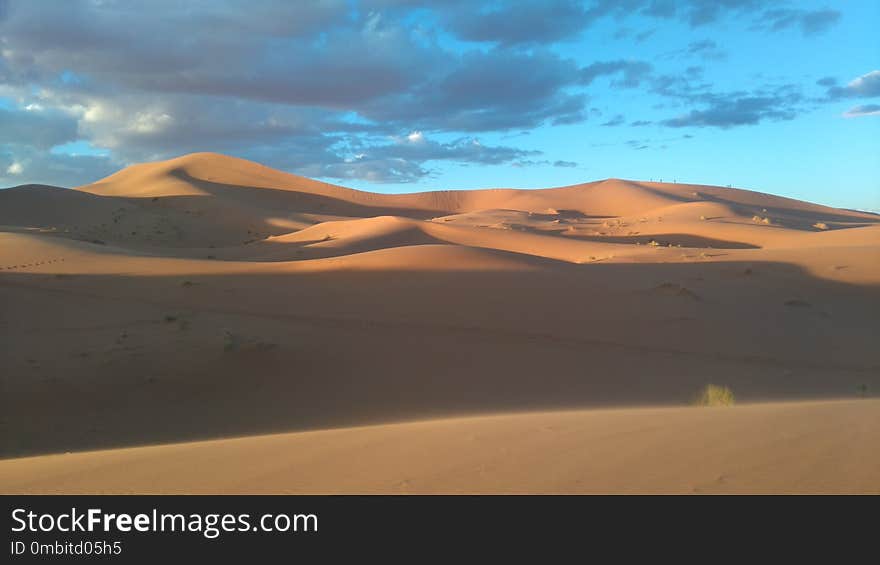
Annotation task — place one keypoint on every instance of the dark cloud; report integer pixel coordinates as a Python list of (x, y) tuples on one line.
[(565, 164), (637, 144), (291, 84), (638, 37), (711, 108), (22, 164), (529, 22), (632, 72), (643, 35), (660, 8), (36, 127), (615, 121), (728, 111), (640, 123), (485, 91), (328, 87), (687, 86), (699, 13), (416, 147), (705, 48), (818, 21), (574, 117), (384, 171), (809, 22), (403, 160), (214, 53), (521, 22), (702, 12)]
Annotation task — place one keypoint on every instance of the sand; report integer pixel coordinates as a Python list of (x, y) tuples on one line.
[(815, 447), (208, 297)]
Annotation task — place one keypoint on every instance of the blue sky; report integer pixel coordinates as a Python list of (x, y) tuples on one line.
[(409, 95)]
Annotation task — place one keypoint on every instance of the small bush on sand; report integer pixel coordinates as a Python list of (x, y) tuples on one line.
[(820, 226), (715, 395)]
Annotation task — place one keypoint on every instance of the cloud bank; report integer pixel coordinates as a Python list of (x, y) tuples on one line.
[(335, 88)]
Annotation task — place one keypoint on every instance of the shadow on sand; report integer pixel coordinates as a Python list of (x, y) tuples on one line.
[(106, 361)]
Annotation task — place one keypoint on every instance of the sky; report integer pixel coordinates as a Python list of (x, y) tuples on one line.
[(411, 95)]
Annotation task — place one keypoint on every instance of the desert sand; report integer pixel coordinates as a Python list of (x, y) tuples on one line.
[(295, 336), (760, 448)]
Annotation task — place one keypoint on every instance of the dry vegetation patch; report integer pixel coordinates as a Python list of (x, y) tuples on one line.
[(715, 395)]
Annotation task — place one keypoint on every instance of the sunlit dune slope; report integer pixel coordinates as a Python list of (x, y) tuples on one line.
[(820, 447), (212, 201)]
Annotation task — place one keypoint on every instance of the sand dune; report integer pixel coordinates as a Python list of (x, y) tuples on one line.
[(821, 447), (206, 297)]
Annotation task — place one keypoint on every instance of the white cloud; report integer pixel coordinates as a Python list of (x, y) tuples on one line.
[(150, 122), (867, 84), (15, 168), (864, 110)]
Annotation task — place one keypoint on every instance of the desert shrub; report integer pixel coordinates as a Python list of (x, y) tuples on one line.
[(820, 226), (715, 395)]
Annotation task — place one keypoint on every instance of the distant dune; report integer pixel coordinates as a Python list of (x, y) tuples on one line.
[(207, 297)]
